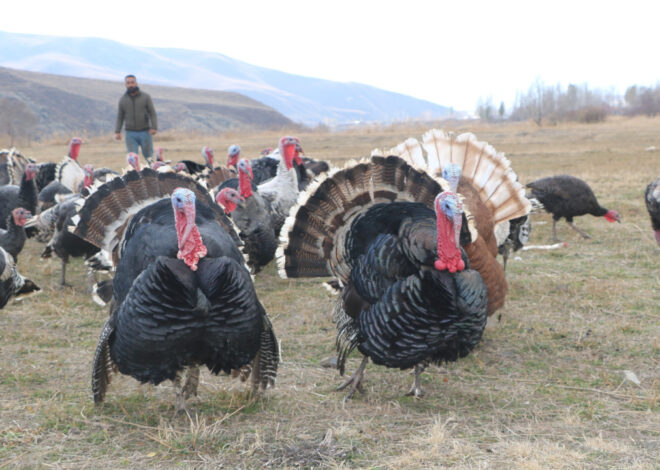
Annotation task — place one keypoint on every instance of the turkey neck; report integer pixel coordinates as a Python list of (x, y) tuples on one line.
[(449, 254), (244, 184)]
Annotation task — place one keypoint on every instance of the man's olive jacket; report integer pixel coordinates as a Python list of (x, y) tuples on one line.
[(137, 111)]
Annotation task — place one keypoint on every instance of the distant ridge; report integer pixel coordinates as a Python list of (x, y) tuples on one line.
[(66, 104), (302, 99)]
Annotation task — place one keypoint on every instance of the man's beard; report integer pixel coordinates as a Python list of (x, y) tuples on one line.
[(132, 89)]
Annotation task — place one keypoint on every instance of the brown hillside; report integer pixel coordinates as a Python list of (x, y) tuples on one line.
[(66, 105)]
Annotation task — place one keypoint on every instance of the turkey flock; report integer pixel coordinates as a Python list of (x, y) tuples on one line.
[(406, 238)]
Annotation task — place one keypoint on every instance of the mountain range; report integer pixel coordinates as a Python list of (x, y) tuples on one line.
[(304, 100)]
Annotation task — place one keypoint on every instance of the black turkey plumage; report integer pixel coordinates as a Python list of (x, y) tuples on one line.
[(182, 296), (13, 239), (652, 198), (567, 196), (24, 196), (252, 216), (12, 284), (66, 244), (263, 168), (45, 174), (194, 168), (409, 296)]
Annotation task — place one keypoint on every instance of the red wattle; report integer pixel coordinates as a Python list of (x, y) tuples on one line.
[(449, 255), (193, 249)]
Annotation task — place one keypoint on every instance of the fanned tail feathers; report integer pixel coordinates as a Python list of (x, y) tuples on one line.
[(69, 172), (16, 164), (217, 176), (103, 213), (486, 169), (312, 238)]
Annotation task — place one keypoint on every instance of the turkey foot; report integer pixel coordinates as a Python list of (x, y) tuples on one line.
[(416, 390), (581, 232), (355, 380)]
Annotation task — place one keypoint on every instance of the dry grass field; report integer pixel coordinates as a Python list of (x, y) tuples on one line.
[(546, 388)]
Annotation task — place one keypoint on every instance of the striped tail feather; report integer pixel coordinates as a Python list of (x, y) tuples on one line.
[(16, 164), (264, 370), (103, 213), (217, 176), (312, 239)]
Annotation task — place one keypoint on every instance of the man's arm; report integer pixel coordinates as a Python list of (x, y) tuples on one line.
[(120, 121), (152, 114)]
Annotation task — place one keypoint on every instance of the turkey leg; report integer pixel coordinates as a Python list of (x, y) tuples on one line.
[(355, 379)]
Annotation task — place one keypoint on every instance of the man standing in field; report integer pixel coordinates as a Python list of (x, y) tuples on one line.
[(137, 110)]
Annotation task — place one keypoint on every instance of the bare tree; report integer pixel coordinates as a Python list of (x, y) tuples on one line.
[(16, 119)]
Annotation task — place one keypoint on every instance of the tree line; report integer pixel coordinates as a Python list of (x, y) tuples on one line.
[(549, 104)]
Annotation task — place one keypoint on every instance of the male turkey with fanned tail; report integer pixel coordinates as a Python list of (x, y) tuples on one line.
[(182, 296), (401, 244)]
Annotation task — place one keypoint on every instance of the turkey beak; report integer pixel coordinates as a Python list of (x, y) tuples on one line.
[(250, 172)]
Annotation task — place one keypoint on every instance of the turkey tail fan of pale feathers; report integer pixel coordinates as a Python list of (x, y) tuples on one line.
[(313, 236), (69, 173), (487, 170), (102, 215), (16, 164)]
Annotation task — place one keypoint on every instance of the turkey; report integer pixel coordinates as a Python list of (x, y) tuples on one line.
[(48, 196), (12, 166), (491, 192), (263, 168), (391, 235), (12, 284), (158, 151), (13, 239), (66, 244), (195, 168), (652, 197), (517, 236), (69, 172), (252, 216), (182, 296), (281, 192), (24, 196), (567, 196)]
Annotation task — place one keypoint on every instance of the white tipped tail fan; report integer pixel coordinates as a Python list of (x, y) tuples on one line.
[(103, 213), (313, 238), (69, 173), (487, 170)]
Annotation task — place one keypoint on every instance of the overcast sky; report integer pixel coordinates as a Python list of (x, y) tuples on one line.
[(450, 53)]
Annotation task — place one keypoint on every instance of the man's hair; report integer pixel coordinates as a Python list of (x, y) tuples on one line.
[(130, 75)]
